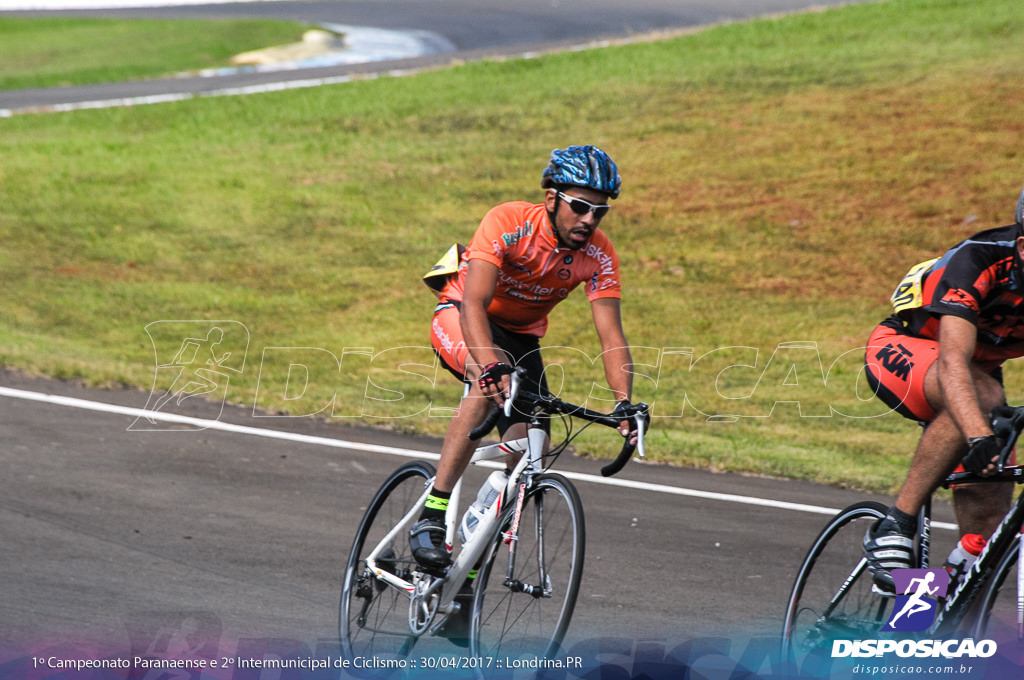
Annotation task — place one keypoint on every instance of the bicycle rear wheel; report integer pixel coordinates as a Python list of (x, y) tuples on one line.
[(374, 616), (832, 596), (526, 592), (998, 612)]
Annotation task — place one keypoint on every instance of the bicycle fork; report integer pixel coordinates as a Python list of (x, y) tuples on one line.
[(512, 539)]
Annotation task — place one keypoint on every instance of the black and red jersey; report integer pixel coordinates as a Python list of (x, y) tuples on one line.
[(979, 280)]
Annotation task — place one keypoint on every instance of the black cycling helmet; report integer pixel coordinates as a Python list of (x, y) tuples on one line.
[(583, 166), (1018, 213)]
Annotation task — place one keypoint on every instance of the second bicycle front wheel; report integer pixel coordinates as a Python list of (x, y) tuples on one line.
[(526, 592), (374, 616), (832, 597)]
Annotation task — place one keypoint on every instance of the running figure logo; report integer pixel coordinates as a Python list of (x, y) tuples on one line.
[(193, 359), (914, 610)]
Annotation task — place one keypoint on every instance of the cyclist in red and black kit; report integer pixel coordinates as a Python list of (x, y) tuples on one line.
[(938, 360), (523, 260)]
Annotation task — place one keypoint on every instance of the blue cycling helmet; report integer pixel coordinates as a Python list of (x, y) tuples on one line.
[(1018, 213), (583, 166)]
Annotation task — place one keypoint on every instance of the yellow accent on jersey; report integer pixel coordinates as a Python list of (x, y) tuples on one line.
[(445, 267), (908, 295)]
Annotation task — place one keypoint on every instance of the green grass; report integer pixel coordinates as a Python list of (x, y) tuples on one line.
[(780, 177), (55, 52)]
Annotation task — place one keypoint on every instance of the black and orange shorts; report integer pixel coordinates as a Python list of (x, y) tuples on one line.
[(896, 364), (522, 349)]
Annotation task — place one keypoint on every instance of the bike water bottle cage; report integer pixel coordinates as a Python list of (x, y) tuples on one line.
[(492, 374)]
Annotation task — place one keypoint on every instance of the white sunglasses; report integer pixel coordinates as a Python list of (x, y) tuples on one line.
[(581, 207)]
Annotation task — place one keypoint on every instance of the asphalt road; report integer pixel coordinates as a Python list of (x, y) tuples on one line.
[(112, 535), (477, 28)]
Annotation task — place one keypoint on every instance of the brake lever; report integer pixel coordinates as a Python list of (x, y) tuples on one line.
[(514, 378), (641, 429), (1013, 427)]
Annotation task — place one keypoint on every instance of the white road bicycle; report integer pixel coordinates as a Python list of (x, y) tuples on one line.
[(529, 547)]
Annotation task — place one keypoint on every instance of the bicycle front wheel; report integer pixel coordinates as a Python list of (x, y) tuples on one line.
[(832, 596), (998, 615), (526, 592), (374, 616)]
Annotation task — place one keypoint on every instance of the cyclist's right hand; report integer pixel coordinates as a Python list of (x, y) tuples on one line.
[(982, 457), (494, 382)]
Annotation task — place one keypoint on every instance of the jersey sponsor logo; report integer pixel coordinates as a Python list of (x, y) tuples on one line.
[(520, 233), (961, 298), (443, 338), (603, 259), (896, 360), (522, 296), (523, 291)]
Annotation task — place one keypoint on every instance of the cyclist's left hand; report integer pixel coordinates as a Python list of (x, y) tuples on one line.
[(627, 428)]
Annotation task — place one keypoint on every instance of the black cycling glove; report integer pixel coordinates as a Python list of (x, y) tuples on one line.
[(492, 374), (982, 452), (625, 410)]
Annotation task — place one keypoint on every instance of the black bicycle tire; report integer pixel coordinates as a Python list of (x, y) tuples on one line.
[(863, 509), (577, 551), (407, 472)]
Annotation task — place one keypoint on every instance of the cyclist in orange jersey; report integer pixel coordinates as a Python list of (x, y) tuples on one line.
[(523, 260)]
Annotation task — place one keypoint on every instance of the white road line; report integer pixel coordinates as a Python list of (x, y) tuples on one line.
[(203, 423)]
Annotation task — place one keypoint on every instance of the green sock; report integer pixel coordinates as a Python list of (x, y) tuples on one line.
[(436, 505)]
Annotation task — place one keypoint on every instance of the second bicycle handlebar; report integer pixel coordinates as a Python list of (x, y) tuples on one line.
[(1007, 423)]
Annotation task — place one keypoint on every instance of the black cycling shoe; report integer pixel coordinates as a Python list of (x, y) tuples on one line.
[(887, 550), (427, 542)]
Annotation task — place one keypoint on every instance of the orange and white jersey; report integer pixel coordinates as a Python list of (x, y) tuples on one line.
[(534, 274)]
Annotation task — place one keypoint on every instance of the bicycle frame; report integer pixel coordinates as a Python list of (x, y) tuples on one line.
[(959, 602), (533, 446)]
